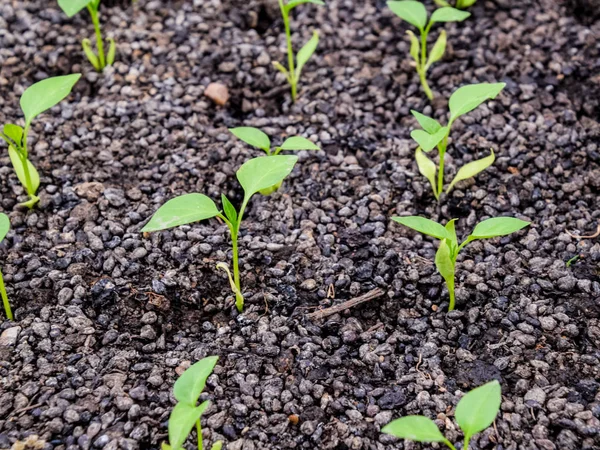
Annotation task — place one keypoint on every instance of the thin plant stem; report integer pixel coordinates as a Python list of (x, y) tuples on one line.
[(442, 151), (422, 70), (7, 309), (199, 432), (99, 43), (24, 157), (450, 286), (288, 38), (449, 444), (239, 298), (466, 443)]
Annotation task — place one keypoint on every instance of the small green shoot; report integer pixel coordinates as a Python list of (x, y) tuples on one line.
[(447, 253), (257, 138), (475, 412), (187, 412), (415, 13), (4, 228), (36, 99), (99, 60), (254, 175), (292, 73), (462, 101), (573, 260), (460, 4)]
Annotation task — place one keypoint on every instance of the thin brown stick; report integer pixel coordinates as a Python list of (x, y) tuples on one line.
[(591, 236), (321, 314)]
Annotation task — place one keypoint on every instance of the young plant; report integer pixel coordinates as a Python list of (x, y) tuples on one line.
[(447, 253), (100, 60), (4, 228), (254, 176), (433, 134), (415, 13), (36, 99), (460, 4), (292, 73), (256, 138), (187, 412), (476, 411)]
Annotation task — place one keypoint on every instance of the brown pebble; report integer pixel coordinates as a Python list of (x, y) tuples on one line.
[(218, 93)]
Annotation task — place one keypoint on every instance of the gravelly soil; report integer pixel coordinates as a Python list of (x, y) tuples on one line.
[(107, 318)]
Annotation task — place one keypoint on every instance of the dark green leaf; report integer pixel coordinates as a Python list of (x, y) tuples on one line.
[(187, 208), (253, 137), (423, 225), (477, 409), (412, 11), (415, 428)]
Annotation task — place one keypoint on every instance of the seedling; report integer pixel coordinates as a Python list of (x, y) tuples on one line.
[(254, 175), (445, 258), (292, 73), (4, 228), (475, 412), (462, 101), (256, 138), (99, 60), (36, 99), (460, 4), (187, 412), (415, 13)]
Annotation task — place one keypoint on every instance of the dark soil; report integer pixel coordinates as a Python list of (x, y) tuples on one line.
[(106, 318)]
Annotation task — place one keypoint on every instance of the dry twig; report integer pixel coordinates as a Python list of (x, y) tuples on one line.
[(321, 314)]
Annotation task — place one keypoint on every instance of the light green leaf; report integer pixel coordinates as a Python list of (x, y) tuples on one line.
[(187, 208), (471, 169), (72, 7), (253, 136), (305, 53), (14, 133), (497, 226), (438, 50), (282, 69), (291, 5), (112, 50), (412, 11), (441, 3), (427, 169), (445, 263), (449, 14), (44, 94), (423, 225), (415, 47), (430, 125), (18, 166), (477, 409), (415, 428), (462, 4), (4, 226), (467, 98), (89, 53), (217, 445), (165, 446), (450, 228), (298, 143), (182, 420), (190, 384), (263, 172), (229, 209), (427, 141)]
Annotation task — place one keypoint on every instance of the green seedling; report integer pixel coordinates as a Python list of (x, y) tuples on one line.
[(36, 99), (447, 253), (415, 13), (187, 412), (460, 4), (292, 73), (254, 176), (4, 228), (256, 138), (99, 60), (433, 134), (475, 412)]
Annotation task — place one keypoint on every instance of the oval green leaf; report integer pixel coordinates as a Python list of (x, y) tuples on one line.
[(253, 136), (449, 14), (444, 261), (190, 384), (263, 172), (72, 7), (438, 50), (477, 409), (20, 171), (430, 125), (305, 53), (45, 94), (471, 169), (298, 143), (415, 47), (4, 226), (427, 169), (497, 226), (412, 11), (423, 225), (188, 208), (229, 209), (14, 133), (415, 428), (182, 420), (427, 141), (467, 98)]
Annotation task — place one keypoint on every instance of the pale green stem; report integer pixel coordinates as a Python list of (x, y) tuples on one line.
[(466, 443), (24, 157), (199, 432), (449, 444), (7, 309), (421, 69), (442, 151), (288, 38), (99, 43)]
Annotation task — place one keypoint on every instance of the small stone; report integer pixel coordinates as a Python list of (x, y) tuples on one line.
[(218, 93), (8, 338)]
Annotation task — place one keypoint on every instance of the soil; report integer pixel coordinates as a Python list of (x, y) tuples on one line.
[(106, 318)]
